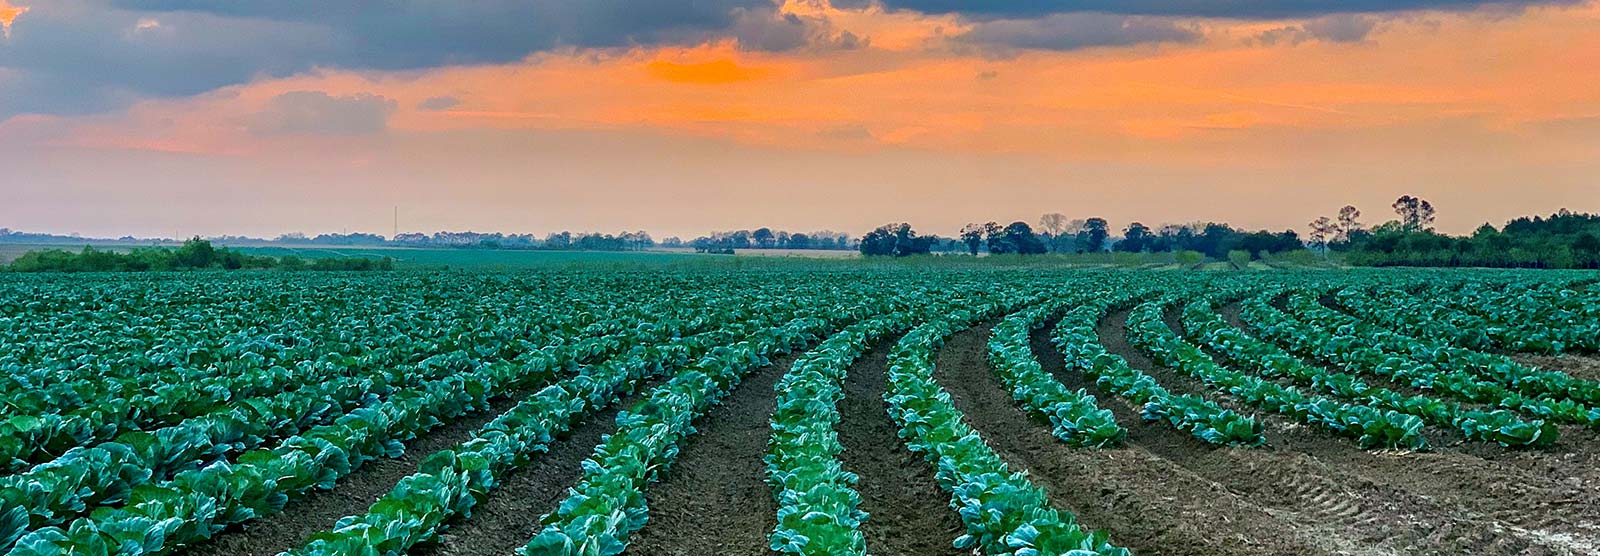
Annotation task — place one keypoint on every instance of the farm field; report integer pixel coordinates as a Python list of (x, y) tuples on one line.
[(415, 258), (808, 408)]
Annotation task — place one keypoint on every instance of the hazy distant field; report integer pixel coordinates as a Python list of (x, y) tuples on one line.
[(415, 258)]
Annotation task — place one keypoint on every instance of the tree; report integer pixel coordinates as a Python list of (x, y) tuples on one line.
[(799, 241), (1349, 223), (1016, 238), (1416, 214), (1053, 224), (764, 238), (196, 253), (1094, 235), (973, 234), (897, 240), (1135, 238), (1322, 230)]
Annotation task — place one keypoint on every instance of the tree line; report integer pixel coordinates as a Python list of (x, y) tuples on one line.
[(1564, 239), (195, 254), (767, 238), (1058, 234)]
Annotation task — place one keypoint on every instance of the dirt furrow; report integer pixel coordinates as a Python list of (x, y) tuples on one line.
[(1586, 367), (910, 514), (1146, 502), (352, 495), (715, 499), (509, 516), (1453, 500)]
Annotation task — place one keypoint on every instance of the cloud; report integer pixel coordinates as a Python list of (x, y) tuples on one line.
[(769, 30), (75, 56), (410, 34), (318, 113), (1344, 28), (1074, 31), (86, 56), (435, 104), (1243, 9)]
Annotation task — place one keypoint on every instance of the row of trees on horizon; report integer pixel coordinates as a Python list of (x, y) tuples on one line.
[(1563, 240)]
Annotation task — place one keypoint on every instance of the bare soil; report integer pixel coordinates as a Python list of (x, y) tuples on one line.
[(1459, 497), (352, 495), (1145, 501), (715, 499), (909, 514), (1586, 367), (509, 517)]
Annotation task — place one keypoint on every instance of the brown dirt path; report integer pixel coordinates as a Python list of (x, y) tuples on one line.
[(715, 499), (352, 495), (1458, 497), (910, 514), (1146, 502), (509, 516)]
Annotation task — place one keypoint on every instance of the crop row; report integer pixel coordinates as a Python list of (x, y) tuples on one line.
[(1544, 391), (451, 482), (607, 505), (1339, 346), (1074, 416), (1202, 323), (1003, 511), (84, 478), (1080, 344), (819, 510), (197, 503)]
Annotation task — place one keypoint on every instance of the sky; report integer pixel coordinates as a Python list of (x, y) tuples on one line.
[(160, 118)]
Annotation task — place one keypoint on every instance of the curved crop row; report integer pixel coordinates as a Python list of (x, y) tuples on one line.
[(1202, 323), (450, 482), (1075, 337), (1004, 512), (607, 505), (818, 507), (1074, 416), (1337, 346), (1370, 427), (196, 504), (1555, 387)]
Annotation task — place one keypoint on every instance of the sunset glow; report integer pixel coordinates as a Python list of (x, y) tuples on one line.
[(1279, 115)]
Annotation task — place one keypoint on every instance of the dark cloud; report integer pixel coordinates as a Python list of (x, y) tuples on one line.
[(1241, 9), (768, 30), (1074, 31), (435, 104), (318, 113), (405, 34), (78, 56), (75, 56), (1331, 28)]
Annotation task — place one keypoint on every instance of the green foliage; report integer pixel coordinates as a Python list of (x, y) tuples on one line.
[(1563, 240), (897, 240), (1074, 417), (194, 254), (1239, 259), (147, 412)]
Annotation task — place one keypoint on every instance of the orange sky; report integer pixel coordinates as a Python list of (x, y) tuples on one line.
[(881, 115)]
